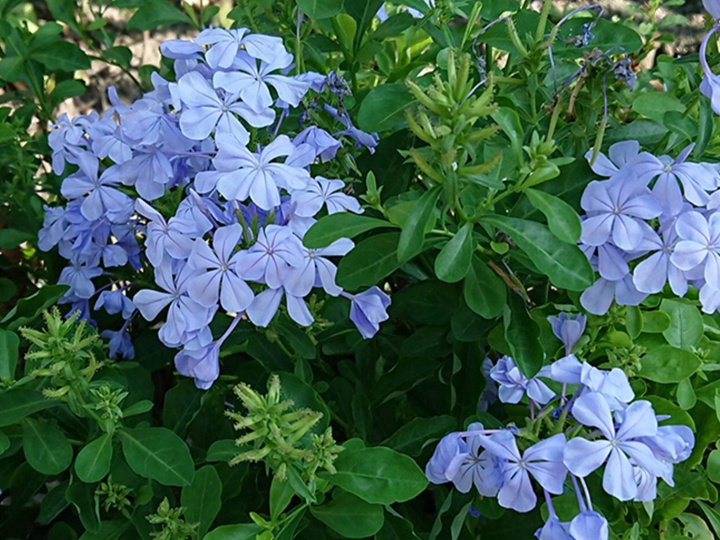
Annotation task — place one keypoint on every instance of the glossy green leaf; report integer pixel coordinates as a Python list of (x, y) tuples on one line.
[(413, 231), (202, 499), (383, 109), (9, 344), (350, 516), (371, 260), (62, 56), (17, 403), (484, 291), (655, 322), (363, 12), (668, 364), (93, 461), (222, 450), (4, 443), (46, 448), (523, 336), (411, 438), (378, 475), (340, 225), (654, 105), (562, 219), (159, 454), (453, 261), (82, 497), (281, 493), (565, 265), (686, 324), (182, 405), (29, 308), (320, 9), (155, 13)]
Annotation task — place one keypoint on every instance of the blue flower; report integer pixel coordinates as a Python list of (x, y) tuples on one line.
[(220, 280), (317, 271), (202, 364), (589, 525), (554, 530), (257, 175), (205, 111), (582, 457), (251, 81), (514, 385), (120, 344), (568, 328), (477, 467), (710, 85), (322, 192), (712, 7), (271, 258), (368, 309), (450, 447), (597, 298), (543, 460), (324, 144), (613, 207), (699, 244), (115, 302)]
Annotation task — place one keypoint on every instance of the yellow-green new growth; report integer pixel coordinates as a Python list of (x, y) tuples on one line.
[(279, 434)]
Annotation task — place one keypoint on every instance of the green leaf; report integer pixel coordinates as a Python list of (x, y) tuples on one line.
[(668, 364), (9, 344), (371, 260), (453, 261), (712, 515), (419, 432), (509, 121), (82, 497), (53, 503), (655, 322), (378, 475), (281, 493), (563, 221), (12, 238), (304, 396), (182, 404), (320, 9), (686, 324), (141, 407), (350, 516), (363, 12), (654, 105), (93, 461), (413, 231), (27, 309), (484, 291), (523, 336), (18, 403), (340, 225), (202, 499), (244, 531), (46, 448), (155, 13), (383, 109), (67, 89), (565, 265), (159, 454), (222, 450), (4, 443), (62, 56)]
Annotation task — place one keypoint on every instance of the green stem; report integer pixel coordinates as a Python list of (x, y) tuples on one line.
[(544, 14)]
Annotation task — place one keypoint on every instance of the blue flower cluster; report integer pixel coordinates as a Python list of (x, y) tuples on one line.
[(595, 423), (640, 216), (230, 237)]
